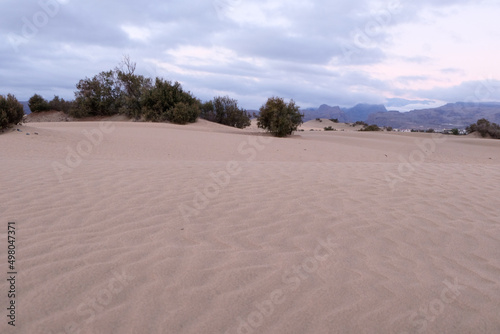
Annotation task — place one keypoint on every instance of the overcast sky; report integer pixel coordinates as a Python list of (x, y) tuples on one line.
[(335, 52)]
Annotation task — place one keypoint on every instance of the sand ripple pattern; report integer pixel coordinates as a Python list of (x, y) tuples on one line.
[(108, 251)]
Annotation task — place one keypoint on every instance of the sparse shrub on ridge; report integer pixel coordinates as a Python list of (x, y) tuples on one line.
[(334, 120), (279, 118), (38, 104), (11, 111)]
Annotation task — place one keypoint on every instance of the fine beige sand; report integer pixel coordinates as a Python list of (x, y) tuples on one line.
[(125, 227)]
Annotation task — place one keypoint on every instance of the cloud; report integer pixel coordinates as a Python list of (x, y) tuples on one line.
[(486, 90), (399, 102), (316, 52)]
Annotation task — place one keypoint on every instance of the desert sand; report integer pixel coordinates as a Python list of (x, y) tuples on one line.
[(125, 227)]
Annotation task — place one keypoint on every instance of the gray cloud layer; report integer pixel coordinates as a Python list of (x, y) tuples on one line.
[(315, 52)]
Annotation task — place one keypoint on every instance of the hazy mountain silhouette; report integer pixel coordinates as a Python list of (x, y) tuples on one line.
[(451, 115)]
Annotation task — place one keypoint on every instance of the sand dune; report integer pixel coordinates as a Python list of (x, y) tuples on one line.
[(320, 124), (127, 227)]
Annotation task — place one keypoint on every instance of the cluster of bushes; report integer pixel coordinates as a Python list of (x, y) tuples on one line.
[(38, 104), (372, 127), (359, 123), (484, 128), (121, 91), (11, 111), (329, 128), (225, 110), (165, 102), (334, 120)]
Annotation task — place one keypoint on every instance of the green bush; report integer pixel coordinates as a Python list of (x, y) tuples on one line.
[(38, 104), (224, 110), (160, 102), (183, 113), (279, 118), (334, 120), (372, 127), (133, 87), (359, 123), (11, 111), (329, 128), (484, 128), (99, 96), (59, 104), (121, 91)]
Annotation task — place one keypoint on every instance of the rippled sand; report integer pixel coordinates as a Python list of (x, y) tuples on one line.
[(154, 228)]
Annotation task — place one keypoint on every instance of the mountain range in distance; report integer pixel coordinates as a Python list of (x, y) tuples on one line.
[(452, 115)]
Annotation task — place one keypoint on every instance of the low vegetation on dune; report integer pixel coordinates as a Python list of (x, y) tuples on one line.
[(279, 118), (372, 127), (359, 123), (485, 128), (11, 111), (122, 91), (38, 104), (225, 110)]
